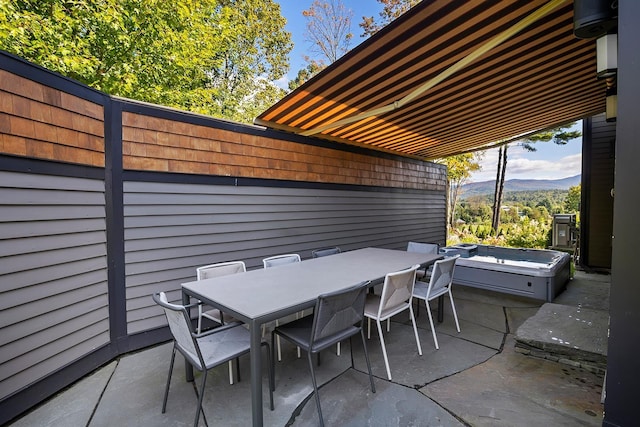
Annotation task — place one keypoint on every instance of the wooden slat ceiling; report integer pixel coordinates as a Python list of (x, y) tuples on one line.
[(537, 78)]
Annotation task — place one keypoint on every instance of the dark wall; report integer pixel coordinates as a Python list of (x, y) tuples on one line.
[(598, 161), (623, 365)]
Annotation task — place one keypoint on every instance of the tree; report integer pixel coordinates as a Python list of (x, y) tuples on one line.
[(328, 29), (391, 10), (313, 67), (459, 169), (497, 195), (572, 202), (208, 56), (559, 135), (253, 54)]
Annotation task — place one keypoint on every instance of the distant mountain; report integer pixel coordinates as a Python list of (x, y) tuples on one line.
[(487, 187)]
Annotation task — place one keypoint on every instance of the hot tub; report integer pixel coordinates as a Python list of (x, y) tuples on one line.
[(535, 273)]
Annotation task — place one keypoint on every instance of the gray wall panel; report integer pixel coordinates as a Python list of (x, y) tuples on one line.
[(170, 229), (53, 275)]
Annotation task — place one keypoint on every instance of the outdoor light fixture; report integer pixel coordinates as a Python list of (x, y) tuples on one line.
[(607, 68), (607, 55)]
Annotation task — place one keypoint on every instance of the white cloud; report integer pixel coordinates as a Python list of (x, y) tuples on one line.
[(521, 167), (283, 82)]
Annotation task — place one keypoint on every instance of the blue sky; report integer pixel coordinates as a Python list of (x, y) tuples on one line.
[(550, 161)]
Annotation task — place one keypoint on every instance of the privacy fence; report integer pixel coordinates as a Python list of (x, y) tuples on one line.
[(104, 201)]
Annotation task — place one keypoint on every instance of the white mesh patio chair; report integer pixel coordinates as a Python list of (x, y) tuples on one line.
[(275, 261), (397, 292), (317, 253), (336, 317), (423, 248), (207, 350), (439, 284), (218, 270)]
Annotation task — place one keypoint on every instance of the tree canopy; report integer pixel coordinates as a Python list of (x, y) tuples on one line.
[(216, 57), (328, 29), (391, 10)]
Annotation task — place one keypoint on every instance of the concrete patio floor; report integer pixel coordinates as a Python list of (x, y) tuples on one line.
[(477, 378)]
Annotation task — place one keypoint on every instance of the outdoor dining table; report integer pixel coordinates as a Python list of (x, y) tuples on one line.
[(263, 295)]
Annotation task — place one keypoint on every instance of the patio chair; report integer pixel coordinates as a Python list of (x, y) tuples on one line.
[(207, 350), (317, 253), (397, 292), (423, 248), (275, 261), (337, 316), (218, 270), (439, 284)]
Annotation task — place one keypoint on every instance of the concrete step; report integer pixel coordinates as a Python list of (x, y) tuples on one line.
[(576, 336)]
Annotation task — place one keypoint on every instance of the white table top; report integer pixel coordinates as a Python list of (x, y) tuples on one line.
[(260, 294)]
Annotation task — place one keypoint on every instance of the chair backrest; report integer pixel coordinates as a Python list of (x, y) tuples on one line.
[(442, 275), (325, 252), (397, 289), (220, 269), (337, 311), (423, 248), (274, 261), (180, 327)]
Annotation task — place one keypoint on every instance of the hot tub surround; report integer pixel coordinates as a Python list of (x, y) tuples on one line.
[(535, 273)]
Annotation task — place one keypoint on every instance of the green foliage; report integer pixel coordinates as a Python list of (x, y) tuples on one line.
[(572, 202), (527, 219), (214, 57), (313, 67), (559, 135)]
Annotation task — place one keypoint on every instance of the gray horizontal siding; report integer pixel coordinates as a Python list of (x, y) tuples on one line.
[(53, 275), (170, 229)]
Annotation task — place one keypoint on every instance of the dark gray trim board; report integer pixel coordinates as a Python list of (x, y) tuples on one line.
[(21, 67), (35, 394)]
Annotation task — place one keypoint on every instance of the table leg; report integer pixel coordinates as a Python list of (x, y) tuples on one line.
[(256, 373), (440, 308), (188, 369)]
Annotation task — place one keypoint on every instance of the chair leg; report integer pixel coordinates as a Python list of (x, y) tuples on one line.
[(389, 325), (231, 373), (166, 390), (199, 328), (315, 388), (338, 349), (453, 308), (278, 344), (366, 356), (200, 395), (433, 329), (384, 349), (368, 328), (415, 329), (351, 348)]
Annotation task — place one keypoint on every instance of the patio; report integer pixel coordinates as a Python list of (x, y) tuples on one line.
[(476, 378)]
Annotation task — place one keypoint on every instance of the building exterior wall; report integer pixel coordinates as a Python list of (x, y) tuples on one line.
[(104, 201), (597, 177), (170, 229)]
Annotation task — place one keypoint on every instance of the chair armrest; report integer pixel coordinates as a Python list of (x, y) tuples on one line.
[(216, 330)]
